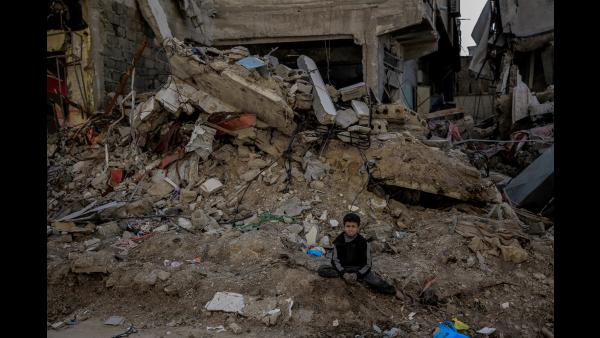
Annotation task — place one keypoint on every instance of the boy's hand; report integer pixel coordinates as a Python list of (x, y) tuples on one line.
[(350, 277)]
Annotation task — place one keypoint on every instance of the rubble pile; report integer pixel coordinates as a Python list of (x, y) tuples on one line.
[(216, 198)]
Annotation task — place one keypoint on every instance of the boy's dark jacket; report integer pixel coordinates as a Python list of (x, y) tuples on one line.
[(353, 254)]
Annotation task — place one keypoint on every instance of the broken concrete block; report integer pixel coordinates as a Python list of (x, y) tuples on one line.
[(235, 328), (257, 163), (311, 236), (390, 112), (361, 109), (379, 126), (91, 262), (303, 101), (140, 208), (226, 302), (322, 105), (318, 185), (283, 70), (184, 223), (359, 129), (162, 228), (211, 185), (292, 207), (250, 175), (377, 203), (345, 118), (271, 317), (188, 196), (108, 229), (353, 92), (513, 253), (314, 169), (438, 173), (163, 275), (200, 220), (201, 141), (91, 242), (333, 93), (302, 86)]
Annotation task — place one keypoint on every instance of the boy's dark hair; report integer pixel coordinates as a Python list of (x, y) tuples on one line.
[(352, 217)]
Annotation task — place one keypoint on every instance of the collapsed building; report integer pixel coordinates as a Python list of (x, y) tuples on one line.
[(208, 146)]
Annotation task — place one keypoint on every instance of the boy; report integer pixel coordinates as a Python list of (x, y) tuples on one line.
[(352, 258)]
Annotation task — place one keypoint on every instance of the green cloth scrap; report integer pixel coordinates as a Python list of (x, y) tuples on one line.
[(264, 218)]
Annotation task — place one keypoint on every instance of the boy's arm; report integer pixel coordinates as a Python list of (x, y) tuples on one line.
[(336, 261), (363, 271)]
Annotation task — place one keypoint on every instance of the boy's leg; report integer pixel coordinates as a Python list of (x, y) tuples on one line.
[(327, 271), (376, 282)]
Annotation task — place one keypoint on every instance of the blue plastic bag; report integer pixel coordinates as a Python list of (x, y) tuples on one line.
[(447, 330), (314, 252)]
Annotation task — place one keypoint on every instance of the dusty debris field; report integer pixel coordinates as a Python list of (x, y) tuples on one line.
[(413, 245), (199, 192)]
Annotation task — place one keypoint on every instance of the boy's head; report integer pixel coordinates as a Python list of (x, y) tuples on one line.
[(351, 224)]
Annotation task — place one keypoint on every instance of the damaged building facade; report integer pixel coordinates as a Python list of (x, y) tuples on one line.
[(402, 51)]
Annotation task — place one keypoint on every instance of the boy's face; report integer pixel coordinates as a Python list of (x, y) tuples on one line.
[(350, 228)]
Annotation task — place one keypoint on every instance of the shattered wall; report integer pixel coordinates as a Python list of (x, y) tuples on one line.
[(273, 21), (118, 30)]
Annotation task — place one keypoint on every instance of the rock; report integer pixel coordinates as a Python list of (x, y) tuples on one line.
[(257, 163), (188, 196), (243, 151), (211, 185), (91, 262), (401, 224), (184, 223), (66, 238), (345, 118), (162, 228), (201, 220), (109, 229), (292, 207), (325, 242), (537, 228), (311, 236), (539, 276), (271, 318), (226, 302), (379, 126), (377, 203), (235, 328), (91, 242), (505, 305), (353, 208), (513, 254), (250, 175), (323, 216), (359, 129), (314, 169), (140, 208), (294, 228), (146, 279), (163, 275), (318, 185), (334, 223), (160, 189)]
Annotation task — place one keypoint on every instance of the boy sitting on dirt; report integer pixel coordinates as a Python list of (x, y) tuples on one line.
[(352, 258)]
